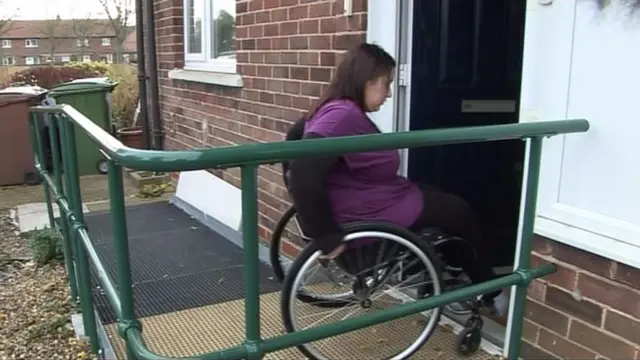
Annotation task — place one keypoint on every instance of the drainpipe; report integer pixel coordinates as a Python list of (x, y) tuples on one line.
[(158, 133), (142, 78)]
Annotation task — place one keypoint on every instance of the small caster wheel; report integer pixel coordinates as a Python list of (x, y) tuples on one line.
[(102, 167), (468, 341)]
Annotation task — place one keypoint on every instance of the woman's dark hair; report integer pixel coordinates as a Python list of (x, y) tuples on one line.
[(361, 64)]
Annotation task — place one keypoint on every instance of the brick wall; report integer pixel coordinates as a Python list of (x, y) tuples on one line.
[(287, 50), (588, 309)]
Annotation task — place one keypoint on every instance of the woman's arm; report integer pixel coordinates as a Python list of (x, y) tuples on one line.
[(307, 183)]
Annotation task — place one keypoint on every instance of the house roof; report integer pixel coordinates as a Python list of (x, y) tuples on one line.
[(34, 29)]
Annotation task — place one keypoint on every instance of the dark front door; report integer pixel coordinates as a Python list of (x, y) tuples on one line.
[(466, 71)]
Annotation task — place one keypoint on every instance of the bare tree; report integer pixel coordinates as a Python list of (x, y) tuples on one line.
[(82, 30), (52, 31), (118, 12)]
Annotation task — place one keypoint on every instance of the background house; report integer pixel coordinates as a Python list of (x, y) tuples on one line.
[(129, 48), (34, 42), (220, 87)]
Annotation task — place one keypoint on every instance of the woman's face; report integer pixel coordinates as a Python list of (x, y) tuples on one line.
[(377, 91)]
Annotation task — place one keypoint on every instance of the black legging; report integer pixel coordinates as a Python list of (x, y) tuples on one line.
[(454, 216)]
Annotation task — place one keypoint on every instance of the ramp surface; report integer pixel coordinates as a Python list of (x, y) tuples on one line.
[(177, 263)]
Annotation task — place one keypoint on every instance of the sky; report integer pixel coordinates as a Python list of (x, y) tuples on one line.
[(47, 9)]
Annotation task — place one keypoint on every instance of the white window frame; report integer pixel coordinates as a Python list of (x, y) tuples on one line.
[(6, 62), (79, 42), (65, 58), (35, 60), (31, 43), (6, 44), (203, 60), (105, 42), (86, 58)]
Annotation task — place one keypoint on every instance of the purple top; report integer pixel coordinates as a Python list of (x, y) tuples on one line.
[(364, 186)]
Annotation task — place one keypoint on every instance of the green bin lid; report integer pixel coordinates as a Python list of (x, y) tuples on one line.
[(85, 85)]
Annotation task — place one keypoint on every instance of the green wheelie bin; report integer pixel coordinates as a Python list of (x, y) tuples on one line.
[(91, 97)]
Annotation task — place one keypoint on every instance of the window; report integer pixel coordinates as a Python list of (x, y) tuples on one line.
[(31, 43), (86, 58), (8, 61), (105, 42), (209, 34), (65, 58), (82, 42), (108, 58), (32, 60), (6, 44)]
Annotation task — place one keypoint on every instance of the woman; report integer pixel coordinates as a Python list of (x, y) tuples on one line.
[(332, 191)]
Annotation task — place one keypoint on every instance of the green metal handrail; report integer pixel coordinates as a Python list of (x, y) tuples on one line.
[(78, 247)]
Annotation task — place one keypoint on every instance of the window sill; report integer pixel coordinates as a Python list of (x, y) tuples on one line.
[(606, 247), (207, 77)]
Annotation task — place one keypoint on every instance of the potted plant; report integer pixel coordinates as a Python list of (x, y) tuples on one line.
[(129, 133)]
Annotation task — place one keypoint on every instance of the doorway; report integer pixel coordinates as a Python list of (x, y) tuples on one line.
[(466, 67)]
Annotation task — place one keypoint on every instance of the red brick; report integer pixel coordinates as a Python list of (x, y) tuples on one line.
[(610, 293), (537, 290), (570, 303), (623, 326), (600, 342), (563, 348), (546, 317), (563, 277), (582, 259), (532, 352), (627, 275), (530, 331)]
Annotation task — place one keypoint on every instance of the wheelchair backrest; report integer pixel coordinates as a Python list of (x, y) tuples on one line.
[(296, 132)]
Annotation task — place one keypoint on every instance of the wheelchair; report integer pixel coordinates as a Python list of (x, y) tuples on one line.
[(381, 262)]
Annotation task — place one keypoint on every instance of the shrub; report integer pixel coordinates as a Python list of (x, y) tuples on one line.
[(124, 98), (6, 72), (46, 245), (50, 76), (97, 67)]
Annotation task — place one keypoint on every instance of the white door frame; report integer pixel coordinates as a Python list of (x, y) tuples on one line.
[(398, 41)]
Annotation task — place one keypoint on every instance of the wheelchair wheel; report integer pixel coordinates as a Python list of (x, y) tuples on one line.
[(382, 261), (287, 227)]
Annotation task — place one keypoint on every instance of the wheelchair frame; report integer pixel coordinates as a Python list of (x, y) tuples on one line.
[(467, 341)]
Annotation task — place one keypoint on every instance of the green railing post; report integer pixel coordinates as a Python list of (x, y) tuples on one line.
[(41, 161), (123, 262), (249, 184), (524, 260), (82, 262), (64, 224)]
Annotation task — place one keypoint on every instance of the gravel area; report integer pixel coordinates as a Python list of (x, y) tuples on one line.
[(35, 304)]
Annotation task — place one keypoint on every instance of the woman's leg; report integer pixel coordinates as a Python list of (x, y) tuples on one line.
[(454, 216)]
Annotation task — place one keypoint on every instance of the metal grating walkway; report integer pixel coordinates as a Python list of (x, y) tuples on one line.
[(177, 263)]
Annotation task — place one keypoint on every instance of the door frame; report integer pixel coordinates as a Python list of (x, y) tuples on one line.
[(398, 41)]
